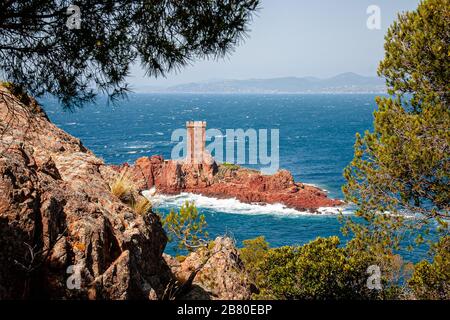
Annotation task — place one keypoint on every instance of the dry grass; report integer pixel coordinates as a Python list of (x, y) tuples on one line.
[(123, 188), (142, 206), (180, 258)]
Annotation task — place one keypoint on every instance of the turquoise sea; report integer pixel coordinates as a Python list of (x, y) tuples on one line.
[(317, 133)]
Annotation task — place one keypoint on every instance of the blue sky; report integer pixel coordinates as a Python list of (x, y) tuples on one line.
[(318, 38)]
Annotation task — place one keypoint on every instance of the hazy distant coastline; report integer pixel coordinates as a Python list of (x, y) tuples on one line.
[(342, 83)]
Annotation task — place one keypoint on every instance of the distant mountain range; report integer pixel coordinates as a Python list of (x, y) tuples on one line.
[(342, 83)]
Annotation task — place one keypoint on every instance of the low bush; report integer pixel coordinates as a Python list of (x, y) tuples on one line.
[(431, 281), (187, 226), (230, 166), (321, 269)]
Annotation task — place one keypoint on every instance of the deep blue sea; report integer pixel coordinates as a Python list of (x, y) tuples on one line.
[(317, 133)]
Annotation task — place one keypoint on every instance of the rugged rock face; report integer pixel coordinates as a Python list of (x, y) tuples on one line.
[(209, 179), (56, 211), (63, 234), (221, 275)]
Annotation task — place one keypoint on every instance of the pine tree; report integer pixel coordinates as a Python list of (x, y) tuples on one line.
[(40, 54), (401, 169)]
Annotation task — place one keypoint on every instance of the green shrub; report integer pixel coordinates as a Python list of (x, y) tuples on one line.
[(180, 258), (252, 254), (230, 166), (320, 269), (187, 226), (432, 280)]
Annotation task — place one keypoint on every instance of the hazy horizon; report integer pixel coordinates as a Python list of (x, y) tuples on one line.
[(218, 79), (344, 83), (296, 38)]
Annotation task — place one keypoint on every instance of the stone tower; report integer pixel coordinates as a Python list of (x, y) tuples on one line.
[(196, 140)]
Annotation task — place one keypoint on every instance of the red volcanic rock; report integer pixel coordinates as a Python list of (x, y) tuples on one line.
[(57, 212), (209, 179)]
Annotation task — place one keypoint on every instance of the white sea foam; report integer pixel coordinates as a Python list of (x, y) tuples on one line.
[(234, 206)]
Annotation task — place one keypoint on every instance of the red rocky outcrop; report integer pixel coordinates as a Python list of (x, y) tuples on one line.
[(56, 211), (221, 272), (225, 181)]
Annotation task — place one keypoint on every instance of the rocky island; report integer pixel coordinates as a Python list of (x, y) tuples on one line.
[(199, 173), (226, 181)]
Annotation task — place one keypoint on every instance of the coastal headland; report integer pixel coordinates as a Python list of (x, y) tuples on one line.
[(225, 181)]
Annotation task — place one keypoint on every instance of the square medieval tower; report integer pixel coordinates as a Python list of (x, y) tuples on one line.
[(196, 140)]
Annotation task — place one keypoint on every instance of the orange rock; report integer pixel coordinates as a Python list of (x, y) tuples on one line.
[(210, 179)]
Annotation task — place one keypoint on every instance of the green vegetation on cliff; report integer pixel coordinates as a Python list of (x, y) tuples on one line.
[(403, 166)]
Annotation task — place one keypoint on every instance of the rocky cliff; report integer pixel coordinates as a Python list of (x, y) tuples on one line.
[(226, 181), (221, 274), (64, 235)]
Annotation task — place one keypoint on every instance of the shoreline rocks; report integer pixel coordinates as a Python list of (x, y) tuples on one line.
[(226, 181)]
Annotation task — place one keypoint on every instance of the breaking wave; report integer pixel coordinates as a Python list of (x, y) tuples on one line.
[(234, 206)]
